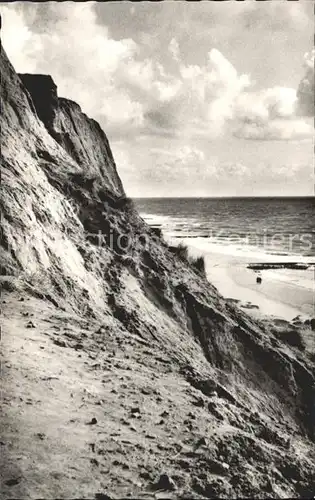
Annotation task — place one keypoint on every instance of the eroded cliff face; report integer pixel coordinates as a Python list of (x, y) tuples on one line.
[(43, 91), (28, 153), (80, 136), (44, 189), (98, 281)]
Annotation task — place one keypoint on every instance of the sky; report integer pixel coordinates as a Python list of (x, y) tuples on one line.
[(196, 98)]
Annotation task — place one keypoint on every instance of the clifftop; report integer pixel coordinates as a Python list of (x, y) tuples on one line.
[(80, 136), (125, 370), (43, 91)]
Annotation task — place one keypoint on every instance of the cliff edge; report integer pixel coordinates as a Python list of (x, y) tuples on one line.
[(125, 373)]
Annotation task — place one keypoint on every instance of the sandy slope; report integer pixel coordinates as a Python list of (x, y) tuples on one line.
[(149, 419)]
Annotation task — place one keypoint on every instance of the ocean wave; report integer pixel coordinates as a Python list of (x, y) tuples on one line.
[(230, 240), (206, 246)]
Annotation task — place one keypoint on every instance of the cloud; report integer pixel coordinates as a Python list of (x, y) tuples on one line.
[(179, 168), (174, 49), (133, 93), (186, 159), (201, 100), (186, 169), (306, 90), (84, 60), (309, 58), (274, 130), (277, 16), (214, 99), (270, 115), (276, 113), (15, 36)]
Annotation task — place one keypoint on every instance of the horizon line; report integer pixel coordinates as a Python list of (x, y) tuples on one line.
[(221, 197)]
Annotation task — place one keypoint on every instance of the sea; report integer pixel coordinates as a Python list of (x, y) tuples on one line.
[(277, 229), (235, 233)]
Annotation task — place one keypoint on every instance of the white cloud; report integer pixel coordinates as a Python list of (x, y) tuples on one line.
[(131, 93), (212, 99), (309, 58), (305, 94), (200, 99), (269, 115), (274, 130), (280, 102), (84, 61), (174, 49), (15, 36)]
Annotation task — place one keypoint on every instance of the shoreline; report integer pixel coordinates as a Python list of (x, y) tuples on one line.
[(287, 288), (283, 293)]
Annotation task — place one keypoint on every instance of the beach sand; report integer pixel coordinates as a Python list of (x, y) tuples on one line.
[(283, 293)]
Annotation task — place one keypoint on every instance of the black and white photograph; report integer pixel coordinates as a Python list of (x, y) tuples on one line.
[(157, 250)]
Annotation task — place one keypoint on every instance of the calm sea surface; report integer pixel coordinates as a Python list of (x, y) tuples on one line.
[(278, 227)]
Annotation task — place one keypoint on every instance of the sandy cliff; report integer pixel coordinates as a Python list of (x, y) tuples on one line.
[(121, 363), (80, 136)]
